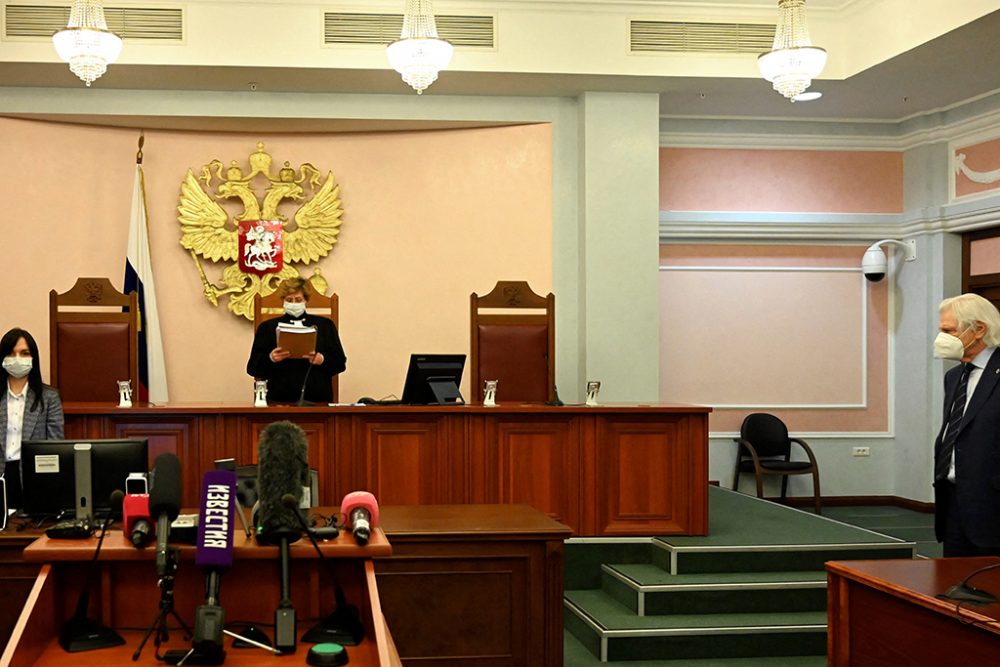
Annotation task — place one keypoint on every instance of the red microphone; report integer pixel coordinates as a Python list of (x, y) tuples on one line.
[(137, 522), (360, 510)]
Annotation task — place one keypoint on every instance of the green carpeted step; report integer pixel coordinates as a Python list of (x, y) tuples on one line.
[(613, 632), (648, 590), (576, 655), (583, 558)]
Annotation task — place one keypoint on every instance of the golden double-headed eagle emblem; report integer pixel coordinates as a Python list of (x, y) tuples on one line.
[(260, 241)]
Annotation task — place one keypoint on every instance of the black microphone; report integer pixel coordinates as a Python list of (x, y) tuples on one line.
[(343, 626), (214, 552), (164, 503), (302, 394), (964, 592), (283, 470), (81, 633)]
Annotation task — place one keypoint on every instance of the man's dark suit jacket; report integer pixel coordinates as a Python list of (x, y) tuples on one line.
[(284, 379), (977, 458)]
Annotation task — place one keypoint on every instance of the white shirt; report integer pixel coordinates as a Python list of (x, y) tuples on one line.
[(15, 421), (979, 363)]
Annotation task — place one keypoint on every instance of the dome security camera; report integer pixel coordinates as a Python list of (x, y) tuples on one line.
[(874, 263)]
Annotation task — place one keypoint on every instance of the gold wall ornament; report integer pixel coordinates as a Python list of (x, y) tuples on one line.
[(260, 242)]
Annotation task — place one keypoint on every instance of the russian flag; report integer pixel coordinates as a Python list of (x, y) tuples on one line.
[(139, 277)]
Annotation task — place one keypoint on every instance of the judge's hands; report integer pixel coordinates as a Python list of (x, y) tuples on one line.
[(279, 354)]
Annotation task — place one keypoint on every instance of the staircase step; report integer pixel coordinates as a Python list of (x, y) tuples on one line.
[(575, 655), (648, 590), (612, 631)]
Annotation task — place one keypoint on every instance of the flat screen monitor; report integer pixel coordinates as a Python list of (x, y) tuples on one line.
[(48, 474), (433, 379)]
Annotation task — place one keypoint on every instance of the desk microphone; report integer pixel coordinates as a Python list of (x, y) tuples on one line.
[(360, 510), (81, 633), (302, 394), (963, 592), (343, 626), (137, 522)]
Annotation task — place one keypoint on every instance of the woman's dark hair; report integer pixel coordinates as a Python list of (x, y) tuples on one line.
[(7, 344)]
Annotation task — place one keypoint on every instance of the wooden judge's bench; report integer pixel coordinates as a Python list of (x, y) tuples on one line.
[(609, 470)]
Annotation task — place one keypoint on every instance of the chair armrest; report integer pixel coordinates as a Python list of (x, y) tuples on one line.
[(753, 452), (809, 452)]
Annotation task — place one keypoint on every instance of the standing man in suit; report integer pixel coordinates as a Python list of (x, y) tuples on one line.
[(289, 378), (967, 449), (29, 410)]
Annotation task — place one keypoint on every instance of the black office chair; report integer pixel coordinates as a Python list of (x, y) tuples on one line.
[(764, 448)]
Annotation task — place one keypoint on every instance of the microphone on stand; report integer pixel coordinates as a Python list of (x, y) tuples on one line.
[(214, 552), (360, 510), (343, 626), (283, 470), (81, 633), (302, 394), (164, 504)]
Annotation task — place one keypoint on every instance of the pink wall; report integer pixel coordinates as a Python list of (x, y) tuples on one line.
[(711, 179), (795, 356), (981, 157), (413, 243)]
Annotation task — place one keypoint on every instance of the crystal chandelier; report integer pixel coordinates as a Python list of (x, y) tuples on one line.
[(793, 62), (419, 54), (86, 43)]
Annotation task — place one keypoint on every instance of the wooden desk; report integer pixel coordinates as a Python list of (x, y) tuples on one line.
[(125, 596), (885, 613), (474, 585), (611, 470)]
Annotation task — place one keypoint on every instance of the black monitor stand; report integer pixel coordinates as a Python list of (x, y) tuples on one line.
[(445, 391)]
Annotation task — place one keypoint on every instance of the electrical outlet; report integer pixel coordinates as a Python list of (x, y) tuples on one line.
[(861, 451)]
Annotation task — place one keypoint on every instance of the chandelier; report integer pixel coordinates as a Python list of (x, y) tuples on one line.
[(793, 62), (419, 54), (86, 43)]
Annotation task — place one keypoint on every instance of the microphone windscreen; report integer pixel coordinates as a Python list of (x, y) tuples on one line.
[(165, 489), (353, 501), (283, 468), (214, 548)]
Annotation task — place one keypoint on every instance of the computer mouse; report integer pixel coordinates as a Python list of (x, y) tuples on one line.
[(367, 400)]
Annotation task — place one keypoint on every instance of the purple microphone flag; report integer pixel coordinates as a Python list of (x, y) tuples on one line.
[(215, 519)]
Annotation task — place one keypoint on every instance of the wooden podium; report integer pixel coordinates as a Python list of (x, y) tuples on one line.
[(124, 595), (885, 612)]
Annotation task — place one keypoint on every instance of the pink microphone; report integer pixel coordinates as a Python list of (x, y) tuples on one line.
[(360, 510)]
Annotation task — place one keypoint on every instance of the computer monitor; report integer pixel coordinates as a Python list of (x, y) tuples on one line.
[(48, 474), (433, 379)]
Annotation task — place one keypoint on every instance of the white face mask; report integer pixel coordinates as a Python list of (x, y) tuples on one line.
[(295, 309), (17, 366), (947, 346)]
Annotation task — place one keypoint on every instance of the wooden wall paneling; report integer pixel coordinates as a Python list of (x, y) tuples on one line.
[(176, 435), (538, 464), (479, 487), (643, 471), (589, 495), (406, 459)]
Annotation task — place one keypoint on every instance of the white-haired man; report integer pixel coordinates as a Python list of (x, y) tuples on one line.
[(967, 449)]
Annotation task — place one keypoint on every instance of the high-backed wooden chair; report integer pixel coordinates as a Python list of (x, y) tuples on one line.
[(513, 342), (93, 340), (270, 306)]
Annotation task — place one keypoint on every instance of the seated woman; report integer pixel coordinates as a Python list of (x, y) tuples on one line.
[(29, 410)]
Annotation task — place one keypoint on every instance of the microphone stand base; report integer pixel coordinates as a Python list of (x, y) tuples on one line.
[(175, 655), (84, 634), (969, 594), (337, 628)]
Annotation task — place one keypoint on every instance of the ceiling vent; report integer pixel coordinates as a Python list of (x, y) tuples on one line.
[(658, 36), (161, 24), (382, 29)]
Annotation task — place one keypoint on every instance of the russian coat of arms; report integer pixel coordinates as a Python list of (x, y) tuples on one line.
[(261, 242)]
